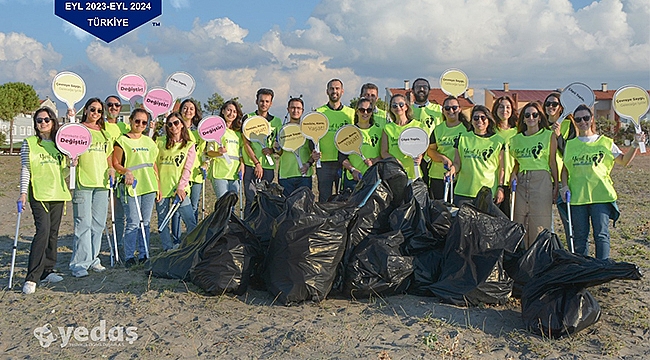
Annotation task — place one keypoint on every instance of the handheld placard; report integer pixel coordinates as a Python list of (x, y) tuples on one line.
[(453, 82), (632, 102), (291, 139), (157, 101), (349, 140), (180, 84), (73, 140), (573, 95), (257, 129), (131, 86), (413, 142), (69, 88), (212, 128), (314, 126)]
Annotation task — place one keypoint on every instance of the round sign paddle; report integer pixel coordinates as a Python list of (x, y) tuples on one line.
[(69, 88), (349, 140), (292, 139), (314, 126), (212, 128), (573, 95), (180, 84), (413, 142), (157, 101), (632, 102), (73, 140), (257, 129), (453, 82), (130, 86)]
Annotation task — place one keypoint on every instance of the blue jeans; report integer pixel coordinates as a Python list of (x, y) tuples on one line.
[(222, 186), (89, 208), (133, 233), (328, 174), (195, 195), (599, 215), (184, 211), (249, 179), (292, 184)]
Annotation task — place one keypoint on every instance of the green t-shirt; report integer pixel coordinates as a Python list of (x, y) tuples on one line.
[(430, 115), (393, 131), (171, 163), (289, 167), (371, 149), (336, 119), (508, 160), (446, 138), (276, 125)]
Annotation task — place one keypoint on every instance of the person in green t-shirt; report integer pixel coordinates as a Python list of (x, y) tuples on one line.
[(504, 112), (401, 115), (428, 113)]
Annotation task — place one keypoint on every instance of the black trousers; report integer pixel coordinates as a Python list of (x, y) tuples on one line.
[(42, 255)]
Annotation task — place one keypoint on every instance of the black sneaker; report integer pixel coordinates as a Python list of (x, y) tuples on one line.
[(130, 262), (143, 260)]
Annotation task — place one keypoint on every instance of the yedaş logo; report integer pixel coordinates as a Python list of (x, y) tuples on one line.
[(108, 20)]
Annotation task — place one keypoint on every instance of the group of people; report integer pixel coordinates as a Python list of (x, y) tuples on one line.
[(547, 157)]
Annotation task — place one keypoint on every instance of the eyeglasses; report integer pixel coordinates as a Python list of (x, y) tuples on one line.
[(551, 104), (173, 123), (452, 108), (580, 119), (479, 117), (41, 120), (396, 105), (140, 122), (365, 110), (116, 105), (534, 115), (95, 110)]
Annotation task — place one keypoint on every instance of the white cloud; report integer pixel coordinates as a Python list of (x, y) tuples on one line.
[(78, 33), (25, 59), (119, 60), (179, 4)]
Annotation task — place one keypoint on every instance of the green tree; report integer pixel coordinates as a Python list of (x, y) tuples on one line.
[(16, 98), (380, 104), (214, 103)]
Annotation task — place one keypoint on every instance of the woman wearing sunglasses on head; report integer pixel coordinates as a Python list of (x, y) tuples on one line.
[(533, 150), (40, 159), (134, 157), (176, 155), (354, 165), (588, 162), (504, 112), (401, 115), (478, 158), (442, 142), (191, 117), (90, 199)]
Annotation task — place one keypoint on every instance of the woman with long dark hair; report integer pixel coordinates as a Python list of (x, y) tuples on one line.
[(226, 176), (504, 112)]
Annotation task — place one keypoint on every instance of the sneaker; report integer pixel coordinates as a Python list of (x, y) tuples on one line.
[(98, 268), (79, 273), (29, 287), (130, 262), (53, 278)]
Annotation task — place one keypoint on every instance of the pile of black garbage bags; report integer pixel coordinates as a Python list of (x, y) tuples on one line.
[(388, 237)]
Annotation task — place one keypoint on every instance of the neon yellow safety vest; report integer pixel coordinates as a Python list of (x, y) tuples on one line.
[(276, 125), (532, 152), (371, 149), (508, 160), (219, 167), (446, 139), (139, 156), (479, 158), (289, 167), (589, 166), (430, 115), (199, 148), (46, 164), (92, 168), (171, 163), (564, 132), (392, 131), (379, 117), (336, 118)]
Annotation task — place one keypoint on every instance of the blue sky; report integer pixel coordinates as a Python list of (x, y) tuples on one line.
[(296, 46)]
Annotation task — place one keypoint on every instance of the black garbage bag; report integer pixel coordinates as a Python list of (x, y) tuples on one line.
[(556, 303), (176, 264), (473, 259), (267, 206), (227, 266), (485, 203), (376, 267), (427, 268), (307, 246)]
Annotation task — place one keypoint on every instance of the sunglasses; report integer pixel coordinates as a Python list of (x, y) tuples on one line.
[(551, 104), (365, 110), (173, 123), (452, 108), (534, 115), (580, 119), (95, 110), (479, 117), (140, 122), (41, 120), (400, 105), (116, 105)]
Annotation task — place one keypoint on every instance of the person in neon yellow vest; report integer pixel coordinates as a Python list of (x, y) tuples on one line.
[(176, 155), (191, 116), (504, 112), (478, 157), (428, 113), (354, 165), (533, 151), (401, 115), (41, 160), (588, 162), (370, 91), (134, 157), (90, 198), (442, 144), (226, 177)]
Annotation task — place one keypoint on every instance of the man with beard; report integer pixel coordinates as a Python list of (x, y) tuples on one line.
[(370, 91), (428, 113), (337, 115)]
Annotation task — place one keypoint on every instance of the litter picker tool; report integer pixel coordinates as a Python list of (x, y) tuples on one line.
[(512, 199), (205, 176), (170, 213), (291, 139), (568, 209), (632, 102), (13, 250), (115, 257), (73, 140), (241, 197), (314, 126), (413, 142), (69, 88), (212, 129), (137, 206), (447, 186), (257, 129)]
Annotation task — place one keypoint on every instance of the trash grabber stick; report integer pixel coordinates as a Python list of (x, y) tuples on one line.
[(241, 197), (512, 199), (137, 206), (447, 181), (114, 246), (170, 213), (568, 208), (205, 176), (13, 251)]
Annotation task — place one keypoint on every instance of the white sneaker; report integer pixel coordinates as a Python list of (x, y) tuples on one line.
[(98, 268), (53, 278), (79, 273), (29, 287)]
